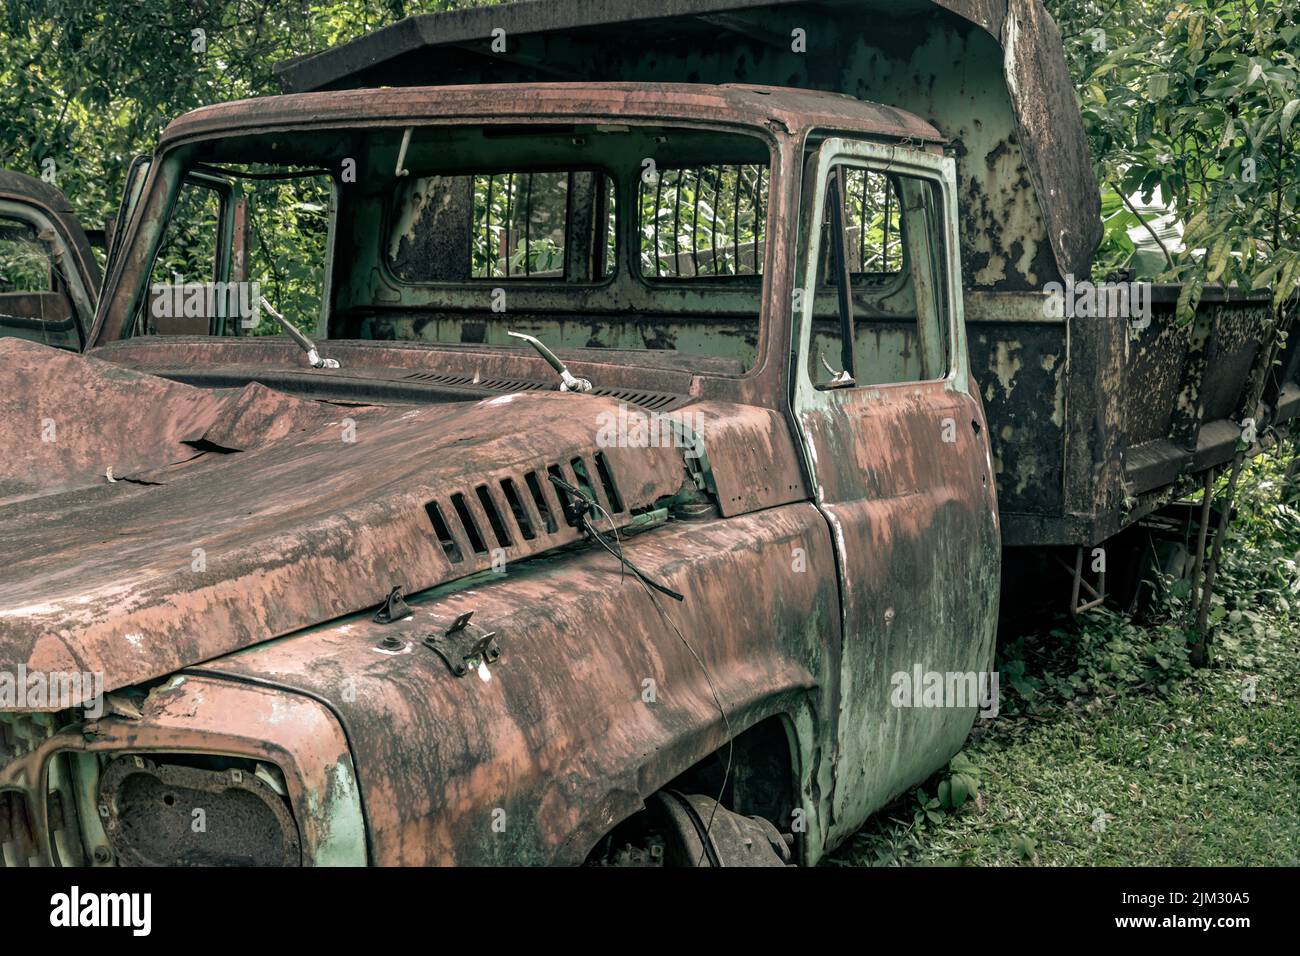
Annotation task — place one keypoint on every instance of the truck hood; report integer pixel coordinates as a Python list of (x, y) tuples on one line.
[(147, 525)]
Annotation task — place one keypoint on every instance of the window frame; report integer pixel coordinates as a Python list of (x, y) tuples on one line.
[(884, 283), (83, 299), (128, 282), (177, 170), (938, 171), (388, 223)]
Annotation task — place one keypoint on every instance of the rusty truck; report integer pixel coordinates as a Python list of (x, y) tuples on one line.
[(648, 405)]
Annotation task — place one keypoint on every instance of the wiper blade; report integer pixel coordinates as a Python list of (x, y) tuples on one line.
[(568, 381), (306, 344)]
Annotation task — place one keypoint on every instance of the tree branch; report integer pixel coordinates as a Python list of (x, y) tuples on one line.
[(1169, 260)]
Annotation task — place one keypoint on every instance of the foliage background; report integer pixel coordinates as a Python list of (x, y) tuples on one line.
[(1200, 100), (89, 85)]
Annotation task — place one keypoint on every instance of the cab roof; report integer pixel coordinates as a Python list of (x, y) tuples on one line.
[(754, 106)]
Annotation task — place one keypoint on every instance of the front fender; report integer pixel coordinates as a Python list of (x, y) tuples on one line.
[(595, 702)]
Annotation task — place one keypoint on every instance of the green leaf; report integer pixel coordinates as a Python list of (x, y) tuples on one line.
[(1188, 299), (1288, 114), (1217, 258), (1286, 284), (1145, 120), (1025, 847), (959, 789), (960, 763), (1262, 279), (1194, 226)]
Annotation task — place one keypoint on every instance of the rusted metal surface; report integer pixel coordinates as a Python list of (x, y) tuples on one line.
[(560, 738), (899, 498), (251, 826), (294, 529), (752, 459), (198, 715), (71, 420), (901, 472), (628, 372), (1094, 418), (750, 105)]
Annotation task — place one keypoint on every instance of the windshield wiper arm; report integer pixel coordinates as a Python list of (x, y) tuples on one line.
[(568, 381), (305, 343)]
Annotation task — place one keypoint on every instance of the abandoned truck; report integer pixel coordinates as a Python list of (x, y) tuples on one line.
[(624, 441)]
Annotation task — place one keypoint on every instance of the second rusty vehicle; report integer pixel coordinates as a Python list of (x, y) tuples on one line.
[(637, 587)]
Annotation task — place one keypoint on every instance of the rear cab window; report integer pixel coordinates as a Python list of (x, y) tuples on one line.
[(519, 224)]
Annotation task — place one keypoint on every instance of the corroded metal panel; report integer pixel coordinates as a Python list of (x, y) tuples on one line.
[(320, 512), (562, 742), (199, 715)]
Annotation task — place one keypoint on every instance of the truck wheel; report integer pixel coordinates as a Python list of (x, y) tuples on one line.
[(671, 831), (698, 831)]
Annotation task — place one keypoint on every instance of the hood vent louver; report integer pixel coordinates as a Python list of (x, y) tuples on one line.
[(521, 514)]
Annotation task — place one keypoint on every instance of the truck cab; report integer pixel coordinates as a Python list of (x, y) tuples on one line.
[(761, 287), (49, 278)]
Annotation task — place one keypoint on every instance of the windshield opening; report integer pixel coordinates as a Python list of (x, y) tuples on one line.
[(627, 237)]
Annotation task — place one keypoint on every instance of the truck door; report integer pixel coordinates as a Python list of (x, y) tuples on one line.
[(894, 439), (49, 279)]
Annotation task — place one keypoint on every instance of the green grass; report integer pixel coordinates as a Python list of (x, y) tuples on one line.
[(1114, 752)]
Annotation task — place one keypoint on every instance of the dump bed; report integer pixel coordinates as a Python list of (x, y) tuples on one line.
[(1093, 421)]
